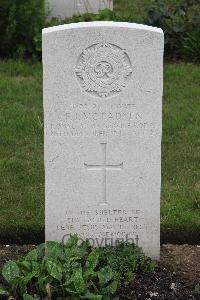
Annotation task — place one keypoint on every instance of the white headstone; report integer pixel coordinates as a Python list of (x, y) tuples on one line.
[(102, 111), (67, 8)]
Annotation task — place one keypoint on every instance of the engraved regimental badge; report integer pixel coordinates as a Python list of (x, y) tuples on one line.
[(103, 70)]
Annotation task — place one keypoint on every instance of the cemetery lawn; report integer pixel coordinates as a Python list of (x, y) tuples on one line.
[(21, 153)]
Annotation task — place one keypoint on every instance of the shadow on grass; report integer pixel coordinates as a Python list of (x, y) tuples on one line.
[(29, 236)]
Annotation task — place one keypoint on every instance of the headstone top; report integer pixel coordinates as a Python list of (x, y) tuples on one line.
[(101, 24)]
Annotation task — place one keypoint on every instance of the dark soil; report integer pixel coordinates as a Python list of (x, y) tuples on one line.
[(184, 260), (175, 276)]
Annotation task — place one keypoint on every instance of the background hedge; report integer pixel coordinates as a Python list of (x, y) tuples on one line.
[(21, 22)]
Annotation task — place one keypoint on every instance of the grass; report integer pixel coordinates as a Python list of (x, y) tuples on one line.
[(180, 208), (21, 151)]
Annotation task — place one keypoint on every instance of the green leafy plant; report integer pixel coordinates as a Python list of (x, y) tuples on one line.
[(126, 260), (191, 46), (20, 22), (197, 290), (178, 19), (72, 270)]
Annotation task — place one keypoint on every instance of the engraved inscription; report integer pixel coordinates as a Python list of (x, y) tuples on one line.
[(104, 167), (103, 225), (103, 69), (97, 119)]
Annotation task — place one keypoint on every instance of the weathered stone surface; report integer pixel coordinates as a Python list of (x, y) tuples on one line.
[(102, 111), (67, 8)]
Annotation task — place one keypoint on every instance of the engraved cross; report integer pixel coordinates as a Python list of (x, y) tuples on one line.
[(104, 167)]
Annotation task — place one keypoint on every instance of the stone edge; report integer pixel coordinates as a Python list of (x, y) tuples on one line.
[(101, 24)]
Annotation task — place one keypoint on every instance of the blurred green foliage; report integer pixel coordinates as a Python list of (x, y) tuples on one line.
[(180, 21), (21, 23)]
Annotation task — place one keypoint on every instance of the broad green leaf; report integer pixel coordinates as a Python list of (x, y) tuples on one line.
[(25, 266), (82, 249), (10, 271), (130, 275), (42, 282), (27, 297), (111, 288), (70, 290), (54, 269), (35, 269), (3, 292), (91, 296), (72, 254), (29, 267), (105, 275), (41, 248), (54, 249), (78, 280), (51, 245), (197, 289), (72, 241), (74, 258), (27, 278), (32, 255), (92, 260), (75, 265), (89, 274), (67, 280), (66, 270)]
